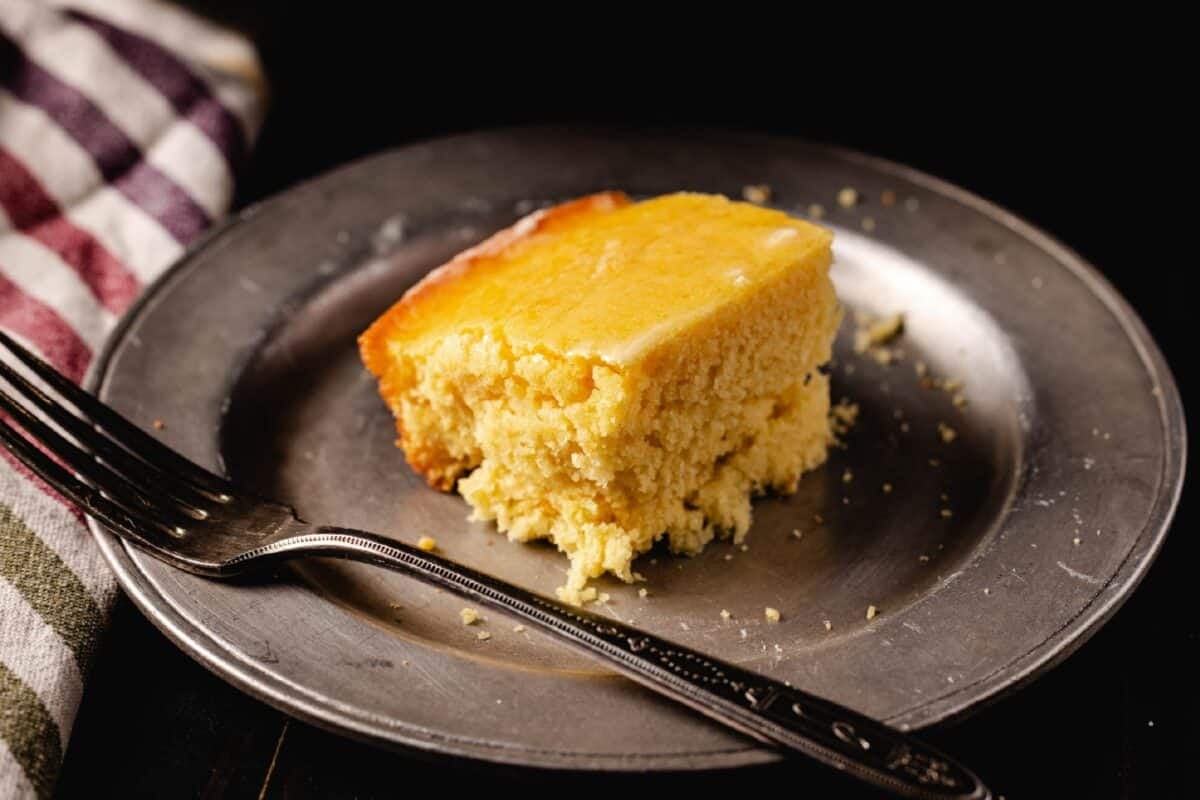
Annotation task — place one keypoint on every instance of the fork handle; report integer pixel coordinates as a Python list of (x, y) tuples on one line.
[(770, 711)]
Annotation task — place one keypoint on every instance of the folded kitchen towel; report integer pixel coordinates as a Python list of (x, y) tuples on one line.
[(122, 123)]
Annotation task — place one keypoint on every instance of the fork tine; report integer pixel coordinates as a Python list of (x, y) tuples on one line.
[(88, 498), (116, 487), (146, 476), (129, 435)]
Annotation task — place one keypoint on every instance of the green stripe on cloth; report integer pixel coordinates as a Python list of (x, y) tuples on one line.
[(29, 732), (49, 586)]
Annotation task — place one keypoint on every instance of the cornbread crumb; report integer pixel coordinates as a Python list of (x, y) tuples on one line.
[(816, 211), (817, 518), (745, 548), (872, 331), (847, 475), (518, 629), (159, 424), (725, 615), (887, 488), (483, 636), (642, 592), (883, 330), (828, 625), (887, 198), (885, 355), (427, 543), (922, 558), (758, 193), (586, 595), (772, 614), (871, 612), (946, 433), (951, 386), (604, 597), (872, 335), (946, 513), (842, 416), (868, 224), (1075, 541), (847, 197), (469, 616), (1037, 282), (797, 533)]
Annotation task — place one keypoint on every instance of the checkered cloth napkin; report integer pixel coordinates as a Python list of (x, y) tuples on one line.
[(122, 123)]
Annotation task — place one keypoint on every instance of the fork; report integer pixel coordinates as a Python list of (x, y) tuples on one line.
[(168, 506)]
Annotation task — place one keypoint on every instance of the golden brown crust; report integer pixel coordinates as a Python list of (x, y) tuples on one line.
[(373, 343)]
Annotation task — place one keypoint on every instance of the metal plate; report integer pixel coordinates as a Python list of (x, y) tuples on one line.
[(1061, 482)]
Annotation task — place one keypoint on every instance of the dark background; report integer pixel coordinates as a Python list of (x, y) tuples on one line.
[(1078, 131)]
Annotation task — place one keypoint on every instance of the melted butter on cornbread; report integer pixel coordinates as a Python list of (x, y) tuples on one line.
[(604, 373)]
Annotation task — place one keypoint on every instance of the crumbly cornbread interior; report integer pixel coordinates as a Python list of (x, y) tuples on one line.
[(606, 373)]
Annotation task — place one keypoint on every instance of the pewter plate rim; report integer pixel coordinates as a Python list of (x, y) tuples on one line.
[(325, 712)]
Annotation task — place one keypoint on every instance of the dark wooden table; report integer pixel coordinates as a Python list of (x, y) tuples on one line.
[(1072, 149)]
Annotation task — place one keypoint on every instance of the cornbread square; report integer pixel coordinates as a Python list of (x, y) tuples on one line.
[(605, 373)]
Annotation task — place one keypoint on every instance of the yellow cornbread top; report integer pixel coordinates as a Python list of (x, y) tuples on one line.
[(607, 278)]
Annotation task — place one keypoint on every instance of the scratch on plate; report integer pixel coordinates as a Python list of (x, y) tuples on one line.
[(267, 656), (613, 613), (1074, 573), (912, 626)]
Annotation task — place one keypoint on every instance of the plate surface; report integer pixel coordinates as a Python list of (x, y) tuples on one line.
[(1057, 489)]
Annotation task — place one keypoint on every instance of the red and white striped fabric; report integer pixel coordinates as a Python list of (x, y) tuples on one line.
[(122, 125)]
